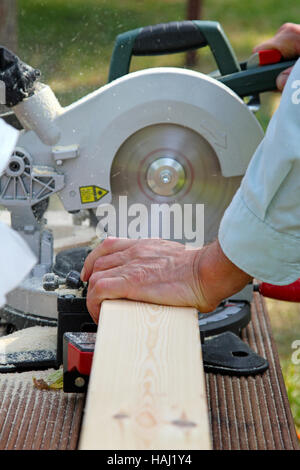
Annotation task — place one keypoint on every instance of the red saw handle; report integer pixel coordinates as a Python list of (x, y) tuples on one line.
[(264, 57), (290, 292)]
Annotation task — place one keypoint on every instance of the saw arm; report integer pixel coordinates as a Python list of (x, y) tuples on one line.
[(168, 38), (171, 38)]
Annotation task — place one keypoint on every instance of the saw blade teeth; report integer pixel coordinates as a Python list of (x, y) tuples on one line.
[(167, 164)]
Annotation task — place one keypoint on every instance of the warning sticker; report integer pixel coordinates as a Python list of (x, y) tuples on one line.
[(89, 194)]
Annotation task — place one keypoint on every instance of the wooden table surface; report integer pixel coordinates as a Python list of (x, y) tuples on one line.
[(245, 413)]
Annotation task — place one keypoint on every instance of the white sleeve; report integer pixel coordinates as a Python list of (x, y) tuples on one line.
[(260, 231)]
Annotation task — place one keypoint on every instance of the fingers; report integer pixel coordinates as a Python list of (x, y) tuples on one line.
[(110, 261), (282, 43), (108, 246), (270, 44), (282, 78), (104, 289), (284, 47), (286, 40)]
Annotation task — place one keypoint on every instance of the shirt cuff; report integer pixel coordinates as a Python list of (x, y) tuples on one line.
[(256, 247)]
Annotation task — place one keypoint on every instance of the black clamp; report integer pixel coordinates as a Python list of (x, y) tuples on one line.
[(227, 354), (223, 350)]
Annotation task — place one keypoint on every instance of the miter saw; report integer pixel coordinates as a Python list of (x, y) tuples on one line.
[(160, 135)]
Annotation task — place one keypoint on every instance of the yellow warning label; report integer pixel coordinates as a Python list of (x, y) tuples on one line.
[(89, 194)]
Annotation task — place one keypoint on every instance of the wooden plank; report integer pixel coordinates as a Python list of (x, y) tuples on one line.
[(147, 386)]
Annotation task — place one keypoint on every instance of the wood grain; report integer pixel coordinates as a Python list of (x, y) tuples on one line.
[(147, 386)]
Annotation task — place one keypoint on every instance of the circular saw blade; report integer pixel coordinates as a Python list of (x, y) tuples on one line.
[(105, 120), (168, 164)]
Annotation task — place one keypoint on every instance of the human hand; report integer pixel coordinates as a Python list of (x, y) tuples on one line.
[(287, 41), (160, 271)]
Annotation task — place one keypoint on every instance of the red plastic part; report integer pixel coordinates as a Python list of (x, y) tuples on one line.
[(80, 360), (269, 56), (290, 292)]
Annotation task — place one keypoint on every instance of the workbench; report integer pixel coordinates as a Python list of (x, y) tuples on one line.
[(250, 413)]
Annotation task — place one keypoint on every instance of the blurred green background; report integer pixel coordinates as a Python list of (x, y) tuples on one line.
[(71, 42)]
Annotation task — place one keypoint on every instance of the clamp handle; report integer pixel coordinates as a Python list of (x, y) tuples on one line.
[(289, 292), (170, 38)]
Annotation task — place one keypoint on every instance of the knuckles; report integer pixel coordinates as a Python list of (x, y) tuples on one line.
[(99, 263), (107, 244), (137, 275), (289, 31), (290, 27), (93, 280)]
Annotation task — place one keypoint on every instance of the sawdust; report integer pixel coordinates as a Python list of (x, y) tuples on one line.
[(24, 378), (18, 382), (32, 419), (29, 344), (34, 338)]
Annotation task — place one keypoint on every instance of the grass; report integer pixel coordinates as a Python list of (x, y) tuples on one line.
[(292, 382), (71, 42), (284, 317)]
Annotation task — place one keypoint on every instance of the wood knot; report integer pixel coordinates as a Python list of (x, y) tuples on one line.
[(183, 423), (120, 416)]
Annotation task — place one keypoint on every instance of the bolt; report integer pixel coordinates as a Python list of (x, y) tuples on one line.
[(73, 280), (80, 382), (14, 166), (165, 176), (52, 282)]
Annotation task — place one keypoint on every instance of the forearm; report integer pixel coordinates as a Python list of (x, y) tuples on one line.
[(219, 278)]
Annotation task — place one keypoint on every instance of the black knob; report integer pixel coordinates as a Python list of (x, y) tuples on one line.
[(73, 280)]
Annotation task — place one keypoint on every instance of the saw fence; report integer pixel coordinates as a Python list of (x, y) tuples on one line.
[(244, 413)]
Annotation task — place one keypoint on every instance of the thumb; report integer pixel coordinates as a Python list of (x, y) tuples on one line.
[(282, 78), (264, 46)]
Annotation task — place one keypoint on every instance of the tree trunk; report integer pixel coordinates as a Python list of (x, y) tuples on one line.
[(8, 24), (8, 30), (194, 12)]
